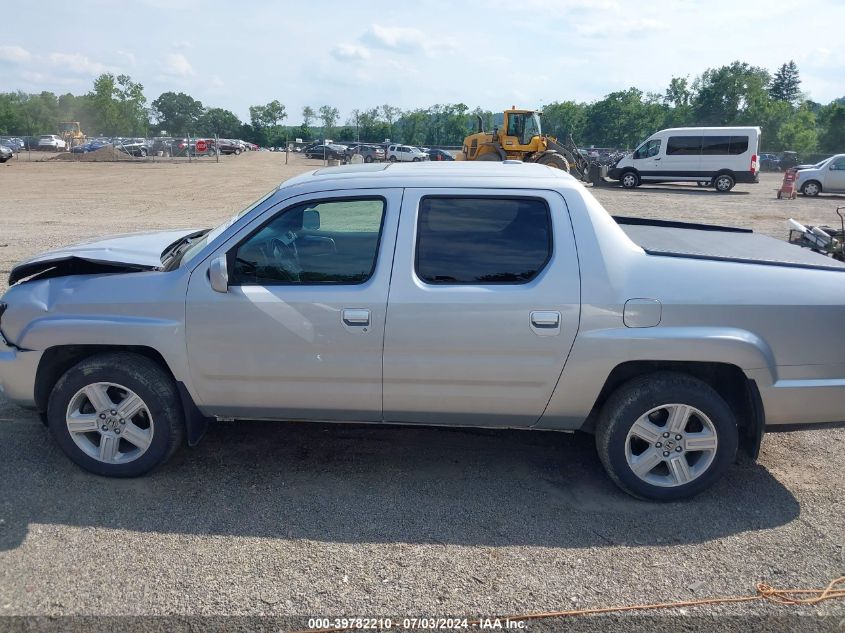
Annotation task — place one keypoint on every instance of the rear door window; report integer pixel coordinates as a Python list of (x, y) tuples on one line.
[(739, 145), (482, 240)]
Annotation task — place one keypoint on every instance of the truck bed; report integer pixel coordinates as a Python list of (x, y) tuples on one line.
[(721, 243)]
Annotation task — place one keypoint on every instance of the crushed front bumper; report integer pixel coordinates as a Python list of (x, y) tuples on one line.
[(17, 373)]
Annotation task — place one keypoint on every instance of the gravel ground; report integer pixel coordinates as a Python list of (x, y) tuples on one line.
[(328, 520)]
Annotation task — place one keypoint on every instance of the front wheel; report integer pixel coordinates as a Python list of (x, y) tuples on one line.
[(629, 180), (666, 436), (811, 188), (392, 159), (368, 159), (116, 414), (723, 183)]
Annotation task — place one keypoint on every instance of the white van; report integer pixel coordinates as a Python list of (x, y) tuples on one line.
[(717, 156)]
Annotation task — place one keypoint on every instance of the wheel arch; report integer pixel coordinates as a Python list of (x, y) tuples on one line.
[(55, 361), (729, 381)]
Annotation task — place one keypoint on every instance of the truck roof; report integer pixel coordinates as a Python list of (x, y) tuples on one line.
[(510, 174)]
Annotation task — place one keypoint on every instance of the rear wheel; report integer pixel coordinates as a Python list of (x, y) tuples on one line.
[(811, 188), (392, 159), (723, 183), (629, 180), (666, 436), (368, 159), (117, 414), (555, 160)]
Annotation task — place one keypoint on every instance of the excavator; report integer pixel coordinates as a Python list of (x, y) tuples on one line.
[(71, 134), (521, 137)]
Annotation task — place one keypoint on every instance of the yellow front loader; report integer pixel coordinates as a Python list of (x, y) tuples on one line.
[(521, 137), (71, 134)]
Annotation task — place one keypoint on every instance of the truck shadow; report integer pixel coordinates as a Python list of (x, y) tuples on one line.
[(353, 484)]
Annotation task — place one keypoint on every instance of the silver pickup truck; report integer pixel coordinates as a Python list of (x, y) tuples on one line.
[(474, 294)]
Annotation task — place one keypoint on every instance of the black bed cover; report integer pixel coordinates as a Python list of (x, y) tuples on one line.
[(721, 243)]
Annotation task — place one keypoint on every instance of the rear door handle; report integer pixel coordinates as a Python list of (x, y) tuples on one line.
[(355, 316), (545, 319)]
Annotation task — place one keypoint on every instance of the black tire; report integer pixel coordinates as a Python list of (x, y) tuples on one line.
[(811, 188), (144, 377), (392, 159), (368, 159), (558, 161), (639, 396), (723, 183), (703, 183), (629, 180), (143, 153), (238, 151)]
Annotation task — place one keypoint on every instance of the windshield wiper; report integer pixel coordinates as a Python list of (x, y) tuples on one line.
[(171, 255)]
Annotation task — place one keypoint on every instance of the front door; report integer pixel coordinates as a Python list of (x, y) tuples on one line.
[(483, 309), (834, 180), (299, 334)]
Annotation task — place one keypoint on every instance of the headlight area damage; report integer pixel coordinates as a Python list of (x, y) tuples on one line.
[(71, 266), (121, 254)]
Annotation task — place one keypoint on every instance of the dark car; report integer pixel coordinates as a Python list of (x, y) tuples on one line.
[(161, 144), (134, 146), (5, 153), (228, 146), (90, 146), (788, 160), (439, 154), (370, 153), (12, 142), (182, 147), (769, 162), (326, 152)]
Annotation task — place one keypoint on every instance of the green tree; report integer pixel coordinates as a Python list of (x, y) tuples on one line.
[(177, 113), (562, 119), (799, 132), (722, 95), (832, 123), (329, 116), (219, 121), (308, 115), (786, 84)]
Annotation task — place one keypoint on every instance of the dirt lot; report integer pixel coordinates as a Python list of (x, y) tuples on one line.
[(287, 519)]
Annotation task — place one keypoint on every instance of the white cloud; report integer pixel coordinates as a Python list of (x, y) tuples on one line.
[(14, 54), (638, 27), (348, 52), (399, 39), (129, 57), (76, 63), (177, 65)]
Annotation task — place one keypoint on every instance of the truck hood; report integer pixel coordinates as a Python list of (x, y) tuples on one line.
[(121, 253)]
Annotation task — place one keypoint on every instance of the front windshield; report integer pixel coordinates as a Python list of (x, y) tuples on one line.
[(213, 234)]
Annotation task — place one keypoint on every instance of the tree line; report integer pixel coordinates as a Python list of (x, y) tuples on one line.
[(736, 94)]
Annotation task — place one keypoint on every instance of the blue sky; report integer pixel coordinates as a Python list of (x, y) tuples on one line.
[(493, 53)]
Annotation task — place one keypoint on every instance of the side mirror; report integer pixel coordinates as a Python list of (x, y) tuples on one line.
[(218, 274)]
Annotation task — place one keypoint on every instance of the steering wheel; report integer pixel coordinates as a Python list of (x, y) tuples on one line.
[(285, 258)]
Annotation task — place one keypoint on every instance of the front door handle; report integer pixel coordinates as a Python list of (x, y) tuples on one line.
[(354, 316)]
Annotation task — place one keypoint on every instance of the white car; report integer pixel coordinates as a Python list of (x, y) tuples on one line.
[(405, 154), (51, 142), (827, 176)]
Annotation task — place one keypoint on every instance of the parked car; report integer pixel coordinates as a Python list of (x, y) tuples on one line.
[(90, 146), (500, 295), (717, 156), (6, 153), (228, 146), (182, 147), (439, 154), (134, 146), (163, 144), (14, 143), (405, 154), (326, 152), (51, 142), (788, 160), (828, 176), (370, 153), (769, 162)]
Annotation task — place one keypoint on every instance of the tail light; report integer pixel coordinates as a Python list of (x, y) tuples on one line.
[(754, 163)]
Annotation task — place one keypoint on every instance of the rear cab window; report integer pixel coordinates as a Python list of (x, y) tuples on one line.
[(482, 240)]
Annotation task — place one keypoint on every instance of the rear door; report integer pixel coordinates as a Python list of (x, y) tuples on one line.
[(300, 331), (484, 307)]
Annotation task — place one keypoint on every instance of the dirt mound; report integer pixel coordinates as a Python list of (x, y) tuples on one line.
[(106, 153)]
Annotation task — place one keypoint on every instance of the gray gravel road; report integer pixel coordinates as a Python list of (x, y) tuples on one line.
[(281, 519)]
